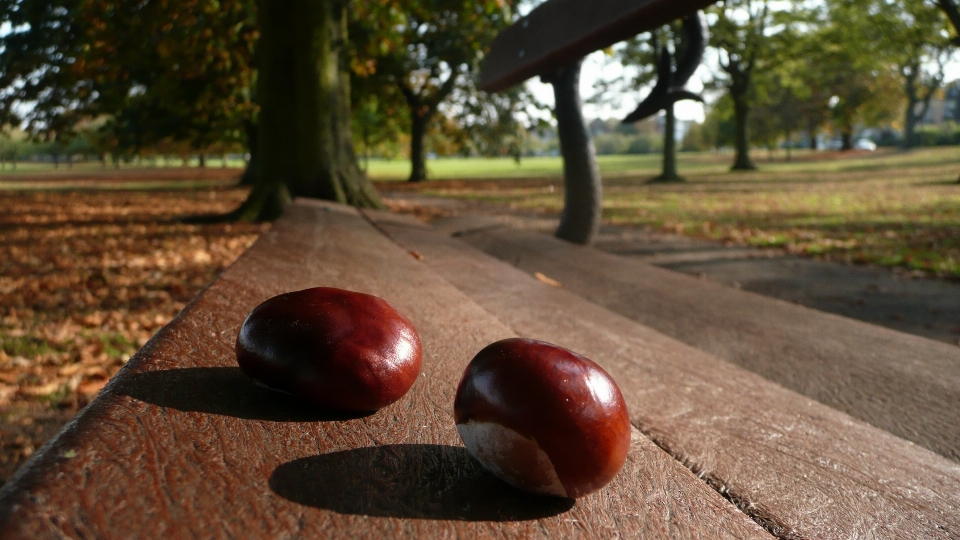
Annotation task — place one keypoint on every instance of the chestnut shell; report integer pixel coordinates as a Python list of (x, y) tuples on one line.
[(334, 348), (543, 418)]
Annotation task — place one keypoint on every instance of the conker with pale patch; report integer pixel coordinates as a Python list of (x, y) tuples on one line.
[(334, 348), (543, 418)]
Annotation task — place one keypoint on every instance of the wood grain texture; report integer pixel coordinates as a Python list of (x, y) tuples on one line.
[(559, 32), (801, 468), (905, 384), (181, 445)]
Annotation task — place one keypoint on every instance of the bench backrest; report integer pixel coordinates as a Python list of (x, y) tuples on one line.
[(559, 32)]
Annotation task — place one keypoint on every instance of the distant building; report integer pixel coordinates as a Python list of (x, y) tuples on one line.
[(944, 109)]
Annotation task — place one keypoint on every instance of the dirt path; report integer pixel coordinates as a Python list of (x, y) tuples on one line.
[(895, 299)]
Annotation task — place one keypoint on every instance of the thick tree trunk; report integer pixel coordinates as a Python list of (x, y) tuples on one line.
[(418, 151), (305, 144), (669, 148), (583, 195), (912, 116), (741, 110), (846, 140), (909, 127), (249, 176), (203, 161)]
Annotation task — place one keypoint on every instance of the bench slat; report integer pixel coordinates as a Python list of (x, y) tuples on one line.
[(801, 468), (905, 384), (560, 32), (181, 444)]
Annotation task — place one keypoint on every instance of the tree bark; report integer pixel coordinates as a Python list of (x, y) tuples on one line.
[(249, 176), (669, 173), (304, 141), (846, 140), (741, 110), (912, 117), (418, 151), (583, 195)]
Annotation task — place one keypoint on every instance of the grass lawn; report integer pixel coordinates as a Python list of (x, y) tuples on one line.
[(889, 208)]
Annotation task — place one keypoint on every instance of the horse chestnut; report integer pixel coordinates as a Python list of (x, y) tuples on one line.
[(334, 348), (543, 418)]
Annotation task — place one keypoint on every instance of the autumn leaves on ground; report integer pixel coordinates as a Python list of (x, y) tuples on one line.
[(86, 278)]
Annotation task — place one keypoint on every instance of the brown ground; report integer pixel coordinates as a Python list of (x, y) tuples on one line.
[(86, 277)]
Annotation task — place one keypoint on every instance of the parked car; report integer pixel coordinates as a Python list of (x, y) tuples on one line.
[(865, 144)]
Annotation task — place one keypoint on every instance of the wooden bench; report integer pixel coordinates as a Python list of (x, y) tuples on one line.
[(181, 444), (904, 384)]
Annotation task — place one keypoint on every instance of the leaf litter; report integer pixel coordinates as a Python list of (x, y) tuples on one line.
[(86, 278)]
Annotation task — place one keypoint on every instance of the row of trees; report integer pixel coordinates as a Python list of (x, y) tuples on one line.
[(840, 63), (302, 83), (163, 72), (782, 68)]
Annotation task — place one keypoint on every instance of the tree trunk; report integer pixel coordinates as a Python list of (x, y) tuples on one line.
[(249, 176), (583, 196), (669, 148), (741, 111), (418, 151), (203, 161), (789, 144), (846, 140), (910, 116), (305, 143)]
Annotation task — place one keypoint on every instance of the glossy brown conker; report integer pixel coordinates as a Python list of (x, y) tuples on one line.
[(334, 348), (542, 418)]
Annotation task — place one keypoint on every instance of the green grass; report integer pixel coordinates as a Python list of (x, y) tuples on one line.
[(26, 346), (888, 208), (47, 169), (531, 167), (612, 166)]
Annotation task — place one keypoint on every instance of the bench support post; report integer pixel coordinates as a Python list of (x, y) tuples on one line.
[(583, 196)]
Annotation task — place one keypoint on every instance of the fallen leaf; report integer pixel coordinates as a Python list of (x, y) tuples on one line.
[(549, 281), (41, 390)]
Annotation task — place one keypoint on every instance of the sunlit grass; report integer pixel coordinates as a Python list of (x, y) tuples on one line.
[(894, 209)]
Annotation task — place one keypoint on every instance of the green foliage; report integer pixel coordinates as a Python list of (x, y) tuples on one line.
[(427, 53), (718, 129), (947, 134), (159, 69)]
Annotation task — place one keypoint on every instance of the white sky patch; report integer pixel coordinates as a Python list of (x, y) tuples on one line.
[(596, 67)]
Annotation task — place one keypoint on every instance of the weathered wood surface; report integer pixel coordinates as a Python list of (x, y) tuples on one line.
[(905, 384), (559, 32), (181, 445), (802, 469)]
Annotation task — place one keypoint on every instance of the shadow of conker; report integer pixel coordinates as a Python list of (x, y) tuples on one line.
[(419, 481), (225, 391)]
